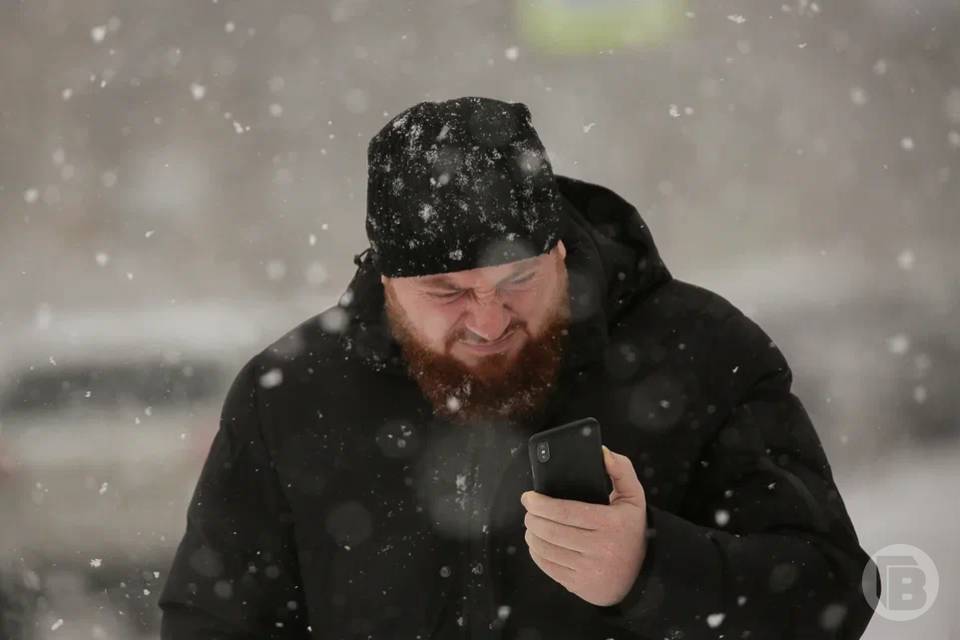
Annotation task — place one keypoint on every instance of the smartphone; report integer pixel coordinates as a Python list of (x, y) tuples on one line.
[(566, 462)]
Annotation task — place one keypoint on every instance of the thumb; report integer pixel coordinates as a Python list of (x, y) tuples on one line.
[(626, 485)]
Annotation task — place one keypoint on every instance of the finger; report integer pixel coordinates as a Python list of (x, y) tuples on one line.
[(559, 534), (559, 573), (575, 513), (622, 474), (560, 555)]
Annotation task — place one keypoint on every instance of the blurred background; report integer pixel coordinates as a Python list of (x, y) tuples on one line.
[(181, 183)]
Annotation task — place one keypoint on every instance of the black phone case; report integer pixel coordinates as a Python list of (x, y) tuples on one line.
[(575, 469)]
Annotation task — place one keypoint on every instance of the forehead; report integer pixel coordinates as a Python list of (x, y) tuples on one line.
[(480, 276)]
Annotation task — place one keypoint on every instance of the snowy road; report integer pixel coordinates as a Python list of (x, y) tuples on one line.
[(911, 498)]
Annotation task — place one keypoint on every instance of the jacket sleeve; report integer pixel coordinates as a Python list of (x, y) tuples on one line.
[(235, 574), (763, 546)]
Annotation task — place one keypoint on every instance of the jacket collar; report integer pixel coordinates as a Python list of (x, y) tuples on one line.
[(611, 261)]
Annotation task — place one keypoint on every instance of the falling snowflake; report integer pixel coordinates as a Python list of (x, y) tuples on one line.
[(920, 394), (905, 259), (271, 378), (715, 619), (898, 344), (736, 18), (276, 269)]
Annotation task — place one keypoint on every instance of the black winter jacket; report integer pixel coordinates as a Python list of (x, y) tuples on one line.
[(334, 505)]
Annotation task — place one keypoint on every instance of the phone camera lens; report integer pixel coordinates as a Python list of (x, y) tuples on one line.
[(543, 451)]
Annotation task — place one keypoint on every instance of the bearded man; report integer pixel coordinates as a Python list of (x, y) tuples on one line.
[(370, 477)]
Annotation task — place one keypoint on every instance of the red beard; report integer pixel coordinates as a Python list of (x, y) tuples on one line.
[(500, 386)]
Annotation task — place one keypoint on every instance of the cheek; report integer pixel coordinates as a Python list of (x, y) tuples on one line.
[(430, 323), (439, 322), (532, 307)]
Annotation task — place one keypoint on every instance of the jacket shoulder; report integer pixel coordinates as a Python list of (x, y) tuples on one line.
[(677, 300), (314, 343), (707, 324)]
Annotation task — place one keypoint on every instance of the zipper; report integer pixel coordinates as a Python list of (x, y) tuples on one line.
[(473, 582), (480, 578), (466, 591)]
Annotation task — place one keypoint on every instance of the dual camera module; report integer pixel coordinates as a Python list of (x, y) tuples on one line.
[(543, 451)]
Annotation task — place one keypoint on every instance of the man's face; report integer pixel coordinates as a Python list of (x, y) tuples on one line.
[(484, 342)]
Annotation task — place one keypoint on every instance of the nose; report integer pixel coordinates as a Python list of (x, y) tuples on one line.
[(488, 319)]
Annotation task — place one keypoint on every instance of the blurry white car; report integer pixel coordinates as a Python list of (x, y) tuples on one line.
[(873, 348), (105, 420)]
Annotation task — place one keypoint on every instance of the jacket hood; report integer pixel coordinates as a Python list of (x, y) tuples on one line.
[(612, 262)]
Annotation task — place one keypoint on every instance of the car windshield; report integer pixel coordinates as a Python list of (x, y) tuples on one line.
[(106, 386)]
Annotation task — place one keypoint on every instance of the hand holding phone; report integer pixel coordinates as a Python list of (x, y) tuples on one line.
[(595, 551)]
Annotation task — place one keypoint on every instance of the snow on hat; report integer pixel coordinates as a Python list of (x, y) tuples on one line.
[(456, 185)]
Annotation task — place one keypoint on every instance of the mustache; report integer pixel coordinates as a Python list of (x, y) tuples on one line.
[(469, 336)]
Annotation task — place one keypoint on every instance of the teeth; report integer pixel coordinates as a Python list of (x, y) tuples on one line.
[(490, 344)]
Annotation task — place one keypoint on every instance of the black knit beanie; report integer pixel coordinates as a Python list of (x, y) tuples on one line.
[(459, 184)]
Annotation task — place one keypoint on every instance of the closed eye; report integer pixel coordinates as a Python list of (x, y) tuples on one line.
[(523, 279), (445, 296), (452, 295)]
